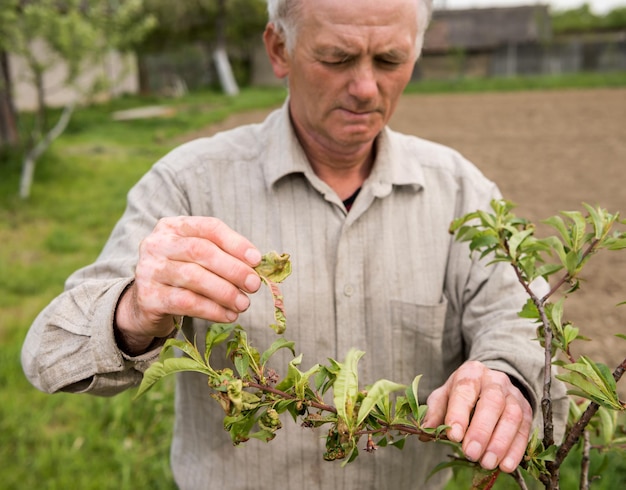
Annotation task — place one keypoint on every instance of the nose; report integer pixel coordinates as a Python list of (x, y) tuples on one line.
[(364, 85)]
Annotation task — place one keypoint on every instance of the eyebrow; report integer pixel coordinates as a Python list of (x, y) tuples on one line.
[(338, 52), (333, 51)]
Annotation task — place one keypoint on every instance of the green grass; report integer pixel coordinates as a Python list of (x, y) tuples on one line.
[(505, 84), (74, 441)]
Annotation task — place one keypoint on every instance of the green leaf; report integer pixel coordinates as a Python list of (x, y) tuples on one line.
[(548, 454), (614, 243), (459, 222), (529, 310), (185, 346), (381, 389), (242, 363), (483, 240), (558, 224), (293, 373), (239, 426), (159, 370), (412, 397), (594, 380), (517, 239), (596, 220), (399, 443), (547, 270), (570, 333), (302, 383), (346, 387), (608, 425), (273, 269), (217, 334), (578, 229), (281, 343), (572, 262), (556, 314)]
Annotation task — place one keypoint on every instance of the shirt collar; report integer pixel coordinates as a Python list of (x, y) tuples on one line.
[(394, 165)]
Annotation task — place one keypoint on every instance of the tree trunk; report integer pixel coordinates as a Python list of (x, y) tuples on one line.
[(30, 160), (220, 56), (143, 75), (8, 117)]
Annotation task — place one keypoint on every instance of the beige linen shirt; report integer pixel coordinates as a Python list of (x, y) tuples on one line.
[(386, 278)]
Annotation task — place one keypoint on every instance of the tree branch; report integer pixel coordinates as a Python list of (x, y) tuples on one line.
[(28, 166)]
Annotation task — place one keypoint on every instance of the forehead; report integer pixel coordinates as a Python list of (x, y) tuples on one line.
[(366, 23)]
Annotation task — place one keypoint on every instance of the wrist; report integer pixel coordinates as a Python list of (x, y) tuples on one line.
[(131, 343)]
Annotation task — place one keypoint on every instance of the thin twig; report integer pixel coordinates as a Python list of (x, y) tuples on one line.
[(287, 396), (584, 464), (576, 431), (519, 479), (546, 400), (569, 277)]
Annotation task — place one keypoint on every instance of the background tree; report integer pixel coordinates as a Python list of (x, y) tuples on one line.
[(219, 27), (8, 118), (75, 33), (583, 19)]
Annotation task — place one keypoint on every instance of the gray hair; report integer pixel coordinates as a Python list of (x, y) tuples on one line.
[(284, 14)]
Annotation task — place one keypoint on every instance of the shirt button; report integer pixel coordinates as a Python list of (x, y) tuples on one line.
[(348, 290)]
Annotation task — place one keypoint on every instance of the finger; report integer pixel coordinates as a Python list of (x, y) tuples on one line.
[(180, 239), (437, 404), (219, 233), (464, 394), (510, 438), (516, 452), (185, 302), (502, 435), (206, 285), (486, 415), (213, 259)]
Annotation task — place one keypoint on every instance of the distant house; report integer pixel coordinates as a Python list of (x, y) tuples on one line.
[(465, 42)]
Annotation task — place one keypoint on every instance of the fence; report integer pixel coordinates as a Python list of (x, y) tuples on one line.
[(559, 57)]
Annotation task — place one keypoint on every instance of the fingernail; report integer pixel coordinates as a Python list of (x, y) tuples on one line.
[(242, 302), (252, 283), (508, 465), (489, 461), (253, 256), (473, 451), (231, 315), (456, 433)]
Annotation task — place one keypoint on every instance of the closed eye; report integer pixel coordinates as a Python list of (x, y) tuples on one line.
[(388, 62), (337, 61)]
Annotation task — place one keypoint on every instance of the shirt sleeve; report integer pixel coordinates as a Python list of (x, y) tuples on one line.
[(71, 344), (494, 333)]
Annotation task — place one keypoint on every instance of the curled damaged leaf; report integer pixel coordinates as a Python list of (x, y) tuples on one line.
[(273, 269)]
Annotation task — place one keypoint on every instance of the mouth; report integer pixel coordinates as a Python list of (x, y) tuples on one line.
[(358, 114)]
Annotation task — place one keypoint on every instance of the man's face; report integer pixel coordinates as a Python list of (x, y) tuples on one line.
[(350, 64)]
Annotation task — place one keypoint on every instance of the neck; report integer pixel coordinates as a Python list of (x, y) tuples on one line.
[(343, 169), (344, 180)]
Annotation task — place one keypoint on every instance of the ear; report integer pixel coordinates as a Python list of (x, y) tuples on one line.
[(276, 50)]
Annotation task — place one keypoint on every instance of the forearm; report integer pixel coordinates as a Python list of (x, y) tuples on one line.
[(71, 345)]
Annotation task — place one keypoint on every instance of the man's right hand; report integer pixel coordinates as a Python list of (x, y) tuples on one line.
[(191, 266)]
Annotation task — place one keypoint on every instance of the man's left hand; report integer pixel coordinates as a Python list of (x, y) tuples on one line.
[(485, 412)]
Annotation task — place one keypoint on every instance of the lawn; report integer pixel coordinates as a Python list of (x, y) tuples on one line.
[(68, 441)]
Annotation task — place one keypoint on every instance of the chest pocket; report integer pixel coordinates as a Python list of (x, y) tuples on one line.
[(417, 340)]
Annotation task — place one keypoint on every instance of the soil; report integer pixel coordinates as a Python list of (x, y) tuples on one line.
[(549, 151)]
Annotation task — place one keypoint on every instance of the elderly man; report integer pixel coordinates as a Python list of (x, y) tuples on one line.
[(364, 213)]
